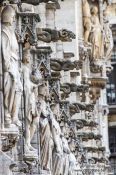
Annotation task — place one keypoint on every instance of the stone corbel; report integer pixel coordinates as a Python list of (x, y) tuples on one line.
[(98, 82)]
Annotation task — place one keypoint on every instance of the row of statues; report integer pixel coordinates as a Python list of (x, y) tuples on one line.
[(20, 81), (96, 35)]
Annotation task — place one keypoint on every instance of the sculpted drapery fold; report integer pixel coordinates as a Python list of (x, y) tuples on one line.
[(12, 82)]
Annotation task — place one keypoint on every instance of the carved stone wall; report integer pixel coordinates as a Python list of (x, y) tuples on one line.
[(53, 109)]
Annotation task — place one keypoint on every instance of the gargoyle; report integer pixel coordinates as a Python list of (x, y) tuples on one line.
[(52, 35), (37, 2), (58, 65)]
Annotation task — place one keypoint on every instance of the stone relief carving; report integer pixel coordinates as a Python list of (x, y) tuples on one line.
[(12, 82), (55, 122)]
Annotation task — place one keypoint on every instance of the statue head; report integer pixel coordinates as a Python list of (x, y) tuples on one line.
[(94, 10), (8, 15)]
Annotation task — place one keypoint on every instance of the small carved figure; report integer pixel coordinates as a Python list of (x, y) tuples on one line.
[(108, 39), (10, 53), (48, 35), (86, 20), (31, 112), (96, 35)]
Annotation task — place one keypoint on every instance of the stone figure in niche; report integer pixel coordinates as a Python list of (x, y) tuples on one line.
[(10, 54), (47, 35), (86, 20), (108, 39), (73, 165), (58, 146), (96, 35), (31, 113), (46, 138), (66, 154)]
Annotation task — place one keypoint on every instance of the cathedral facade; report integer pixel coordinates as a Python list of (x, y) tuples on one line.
[(54, 67)]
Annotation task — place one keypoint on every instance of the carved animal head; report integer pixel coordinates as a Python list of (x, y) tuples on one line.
[(66, 35)]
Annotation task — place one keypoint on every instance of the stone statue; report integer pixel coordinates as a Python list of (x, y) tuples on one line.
[(46, 138), (73, 165), (31, 112), (66, 154), (86, 20), (58, 146), (96, 35), (108, 39), (47, 35), (10, 53)]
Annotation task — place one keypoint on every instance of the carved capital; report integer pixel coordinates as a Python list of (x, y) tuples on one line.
[(98, 82)]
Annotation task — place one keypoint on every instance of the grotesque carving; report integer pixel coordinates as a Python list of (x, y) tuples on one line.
[(37, 2), (58, 65), (10, 53), (47, 35)]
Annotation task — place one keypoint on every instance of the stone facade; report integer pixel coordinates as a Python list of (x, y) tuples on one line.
[(55, 56)]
